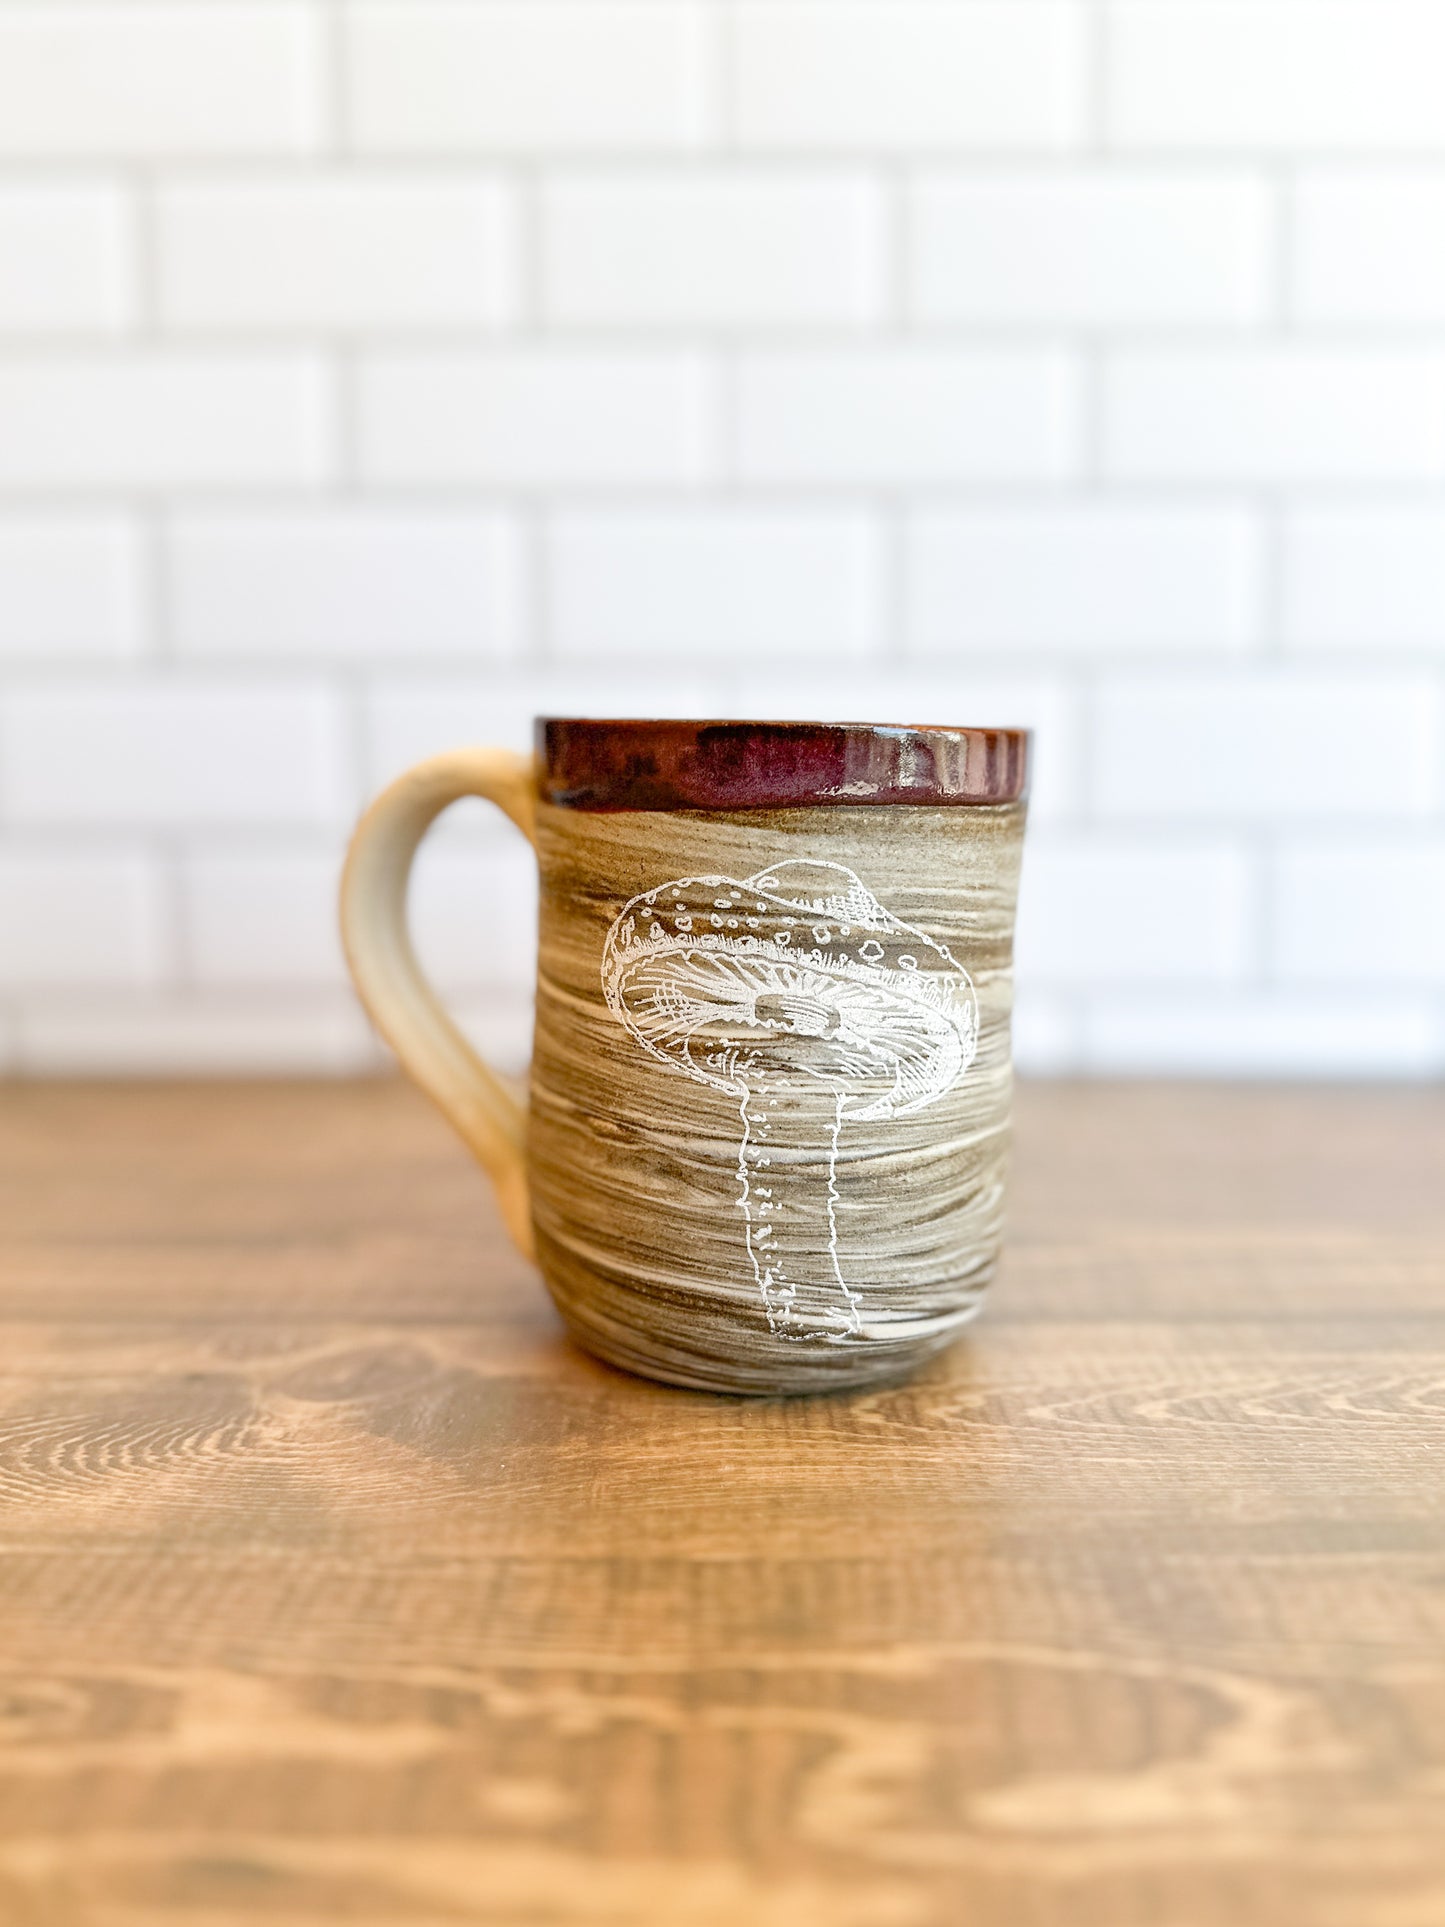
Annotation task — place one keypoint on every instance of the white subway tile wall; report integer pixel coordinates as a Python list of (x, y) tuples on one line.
[(161, 80), (66, 259), (158, 418), (714, 249), (292, 252), (1090, 247), (376, 373), (532, 418)]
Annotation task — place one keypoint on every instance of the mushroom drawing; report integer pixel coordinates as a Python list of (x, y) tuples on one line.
[(797, 993)]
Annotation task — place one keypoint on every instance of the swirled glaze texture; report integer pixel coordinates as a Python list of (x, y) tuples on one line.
[(770, 1085)]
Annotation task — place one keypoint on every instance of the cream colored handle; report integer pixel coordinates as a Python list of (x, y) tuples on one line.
[(491, 1118)]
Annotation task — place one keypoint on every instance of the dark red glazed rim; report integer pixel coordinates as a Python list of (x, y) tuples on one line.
[(589, 763)]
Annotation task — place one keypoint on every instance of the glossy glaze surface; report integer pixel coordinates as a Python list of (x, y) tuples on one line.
[(647, 764)]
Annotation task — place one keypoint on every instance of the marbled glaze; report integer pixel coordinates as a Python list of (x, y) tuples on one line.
[(804, 1124)]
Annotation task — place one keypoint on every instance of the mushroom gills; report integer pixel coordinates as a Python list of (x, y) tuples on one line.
[(808, 1015)]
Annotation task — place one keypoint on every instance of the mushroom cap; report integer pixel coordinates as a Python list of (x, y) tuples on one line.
[(796, 969)]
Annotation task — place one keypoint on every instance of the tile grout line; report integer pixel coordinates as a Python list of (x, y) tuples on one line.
[(334, 80), (1098, 58)]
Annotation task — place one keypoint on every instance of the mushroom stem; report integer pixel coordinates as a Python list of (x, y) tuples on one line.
[(788, 1194)]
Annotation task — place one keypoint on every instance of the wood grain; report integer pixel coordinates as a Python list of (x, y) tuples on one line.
[(770, 1086), (337, 1586)]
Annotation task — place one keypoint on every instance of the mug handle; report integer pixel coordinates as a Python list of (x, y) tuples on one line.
[(490, 1118)]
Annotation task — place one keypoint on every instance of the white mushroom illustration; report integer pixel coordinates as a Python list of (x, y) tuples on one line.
[(800, 995)]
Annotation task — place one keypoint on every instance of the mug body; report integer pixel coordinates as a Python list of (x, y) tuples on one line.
[(771, 1074)]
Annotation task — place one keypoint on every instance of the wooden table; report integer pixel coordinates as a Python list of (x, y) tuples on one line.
[(337, 1587)]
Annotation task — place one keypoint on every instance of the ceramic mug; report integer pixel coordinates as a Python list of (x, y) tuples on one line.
[(765, 1144)]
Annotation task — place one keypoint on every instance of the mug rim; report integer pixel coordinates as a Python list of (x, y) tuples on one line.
[(729, 763)]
